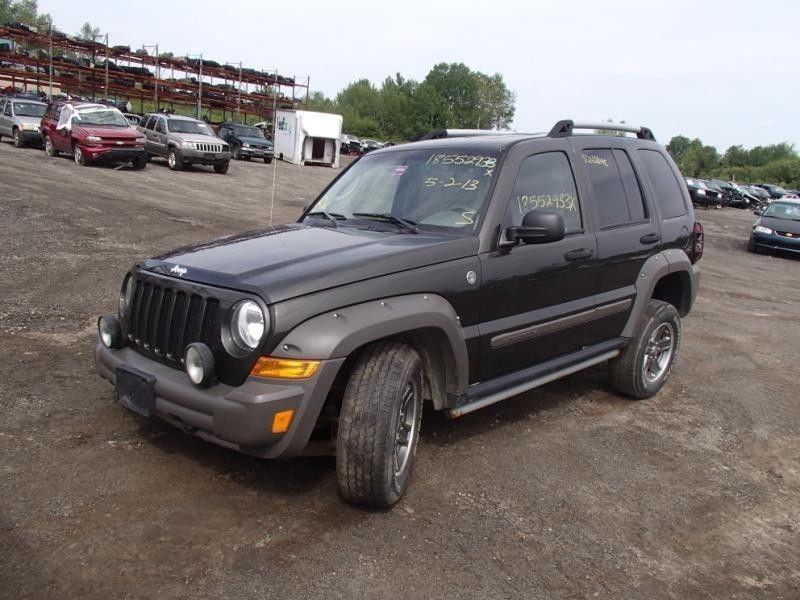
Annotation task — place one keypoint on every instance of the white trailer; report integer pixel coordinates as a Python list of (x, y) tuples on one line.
[(303, 137)]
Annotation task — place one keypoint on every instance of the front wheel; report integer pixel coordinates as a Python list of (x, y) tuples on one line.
[(646, 362), (140, 162), (49, 149), (236, 154), (379, 425), (17, 138), (77, 154), (268, 160), (174, 160), (221, 168)]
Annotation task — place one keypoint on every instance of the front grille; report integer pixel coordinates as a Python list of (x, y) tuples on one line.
[(163, 321), (203, 147)]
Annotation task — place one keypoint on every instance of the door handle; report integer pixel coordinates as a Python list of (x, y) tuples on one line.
[(650, 238), (579, 253)]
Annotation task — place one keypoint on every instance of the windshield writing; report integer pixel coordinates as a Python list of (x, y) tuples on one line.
[(781, 210), (101, 117)]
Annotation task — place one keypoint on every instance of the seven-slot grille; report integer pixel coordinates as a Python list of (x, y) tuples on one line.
[(204, 147), (163, 320)]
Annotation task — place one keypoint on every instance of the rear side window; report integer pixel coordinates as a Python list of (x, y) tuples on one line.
[(669, 195), (616, 190), (545, 182)]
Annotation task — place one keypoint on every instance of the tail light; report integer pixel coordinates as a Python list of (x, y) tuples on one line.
[(696, 243)]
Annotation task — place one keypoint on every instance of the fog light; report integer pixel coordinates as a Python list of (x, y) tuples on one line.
[(199, 362), (110, 331)]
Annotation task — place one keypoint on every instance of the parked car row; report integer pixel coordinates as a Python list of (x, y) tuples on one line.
[(718, 193), (91, 132), (350, 144)]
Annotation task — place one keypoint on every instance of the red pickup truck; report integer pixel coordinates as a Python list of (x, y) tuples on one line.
[(92, 133)]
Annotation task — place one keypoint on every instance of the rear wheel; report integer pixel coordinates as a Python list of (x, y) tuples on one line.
[(221, 168), (77, 154), (174, 160), (646, 362), (17, 137), (49, 149), (379, 425)]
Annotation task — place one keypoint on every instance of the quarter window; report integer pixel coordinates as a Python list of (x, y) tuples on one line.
[(545, 182), (668, 193)]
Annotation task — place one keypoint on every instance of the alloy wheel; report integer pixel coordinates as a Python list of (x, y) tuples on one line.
[(658, 353)]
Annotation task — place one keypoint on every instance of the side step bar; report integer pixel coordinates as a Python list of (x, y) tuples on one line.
[(495, 390)]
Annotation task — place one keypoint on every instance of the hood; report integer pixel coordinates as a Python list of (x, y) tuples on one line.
[(780, 224), (29, 120), (197, 138), (109, 132), (254, 141), (284, 262)]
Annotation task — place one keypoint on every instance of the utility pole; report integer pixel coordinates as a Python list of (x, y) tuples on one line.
[(155, 85), (50, 70), (200, 90), (107, 67), (239, 99)]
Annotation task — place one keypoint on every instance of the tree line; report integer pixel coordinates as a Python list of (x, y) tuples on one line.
[(451, 96), (776, 163)]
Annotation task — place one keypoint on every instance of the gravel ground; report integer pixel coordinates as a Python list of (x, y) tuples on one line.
[(567, 491)]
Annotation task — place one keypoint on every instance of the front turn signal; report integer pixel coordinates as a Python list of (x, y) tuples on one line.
[(282, 420), (284, 368)]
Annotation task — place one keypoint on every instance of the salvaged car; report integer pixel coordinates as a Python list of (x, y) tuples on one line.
[(184, 141), (246, 142), (91, 133), (450, 274), (21, 119), (777, 227), (702, 195)]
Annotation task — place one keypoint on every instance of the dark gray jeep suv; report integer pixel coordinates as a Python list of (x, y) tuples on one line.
[(450, 273)]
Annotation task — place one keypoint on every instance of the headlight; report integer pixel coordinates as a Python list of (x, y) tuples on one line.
[(187, 145), (690, 182), (93, 139), (245, 145), (248, 325), (762, 229), (141, 140), (126, 294), (30, 127), (701, 192)]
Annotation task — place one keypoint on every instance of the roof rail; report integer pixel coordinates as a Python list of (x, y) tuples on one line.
[(564, 129), (438, 134)]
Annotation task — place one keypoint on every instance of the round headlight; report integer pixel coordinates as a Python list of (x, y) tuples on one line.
[(248, 325), (126, 294)]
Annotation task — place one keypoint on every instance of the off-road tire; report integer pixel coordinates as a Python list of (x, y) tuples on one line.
[(17, 134), (628, 369), (49, 149), (222, 168), (369, 424), (174, 160)]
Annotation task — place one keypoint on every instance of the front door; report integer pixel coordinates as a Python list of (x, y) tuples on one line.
[(5, 117), (536, 298)]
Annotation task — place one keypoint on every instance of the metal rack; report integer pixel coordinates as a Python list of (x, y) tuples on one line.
[(79, 67)]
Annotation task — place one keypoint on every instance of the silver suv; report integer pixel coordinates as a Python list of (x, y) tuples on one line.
[(184, 141), (21, 119)]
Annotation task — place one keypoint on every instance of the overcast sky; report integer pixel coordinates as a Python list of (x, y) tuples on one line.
[(725, 72)]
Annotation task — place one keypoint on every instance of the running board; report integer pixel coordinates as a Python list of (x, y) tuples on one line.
[(491, 397)]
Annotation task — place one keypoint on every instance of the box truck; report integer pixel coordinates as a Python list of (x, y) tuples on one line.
[(303, 137)]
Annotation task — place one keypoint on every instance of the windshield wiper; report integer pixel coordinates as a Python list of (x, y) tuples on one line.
[(332, 217), (402, 223)]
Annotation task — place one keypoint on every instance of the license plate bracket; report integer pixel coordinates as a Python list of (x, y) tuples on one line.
[(208, 156), (136, 390)]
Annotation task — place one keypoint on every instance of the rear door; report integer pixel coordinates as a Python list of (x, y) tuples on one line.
[(534, 298), (159, 140), (626, 228)]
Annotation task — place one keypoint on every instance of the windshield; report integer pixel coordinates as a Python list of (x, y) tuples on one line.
[(441, 190), (101, 116), (186, 126), (29, 109), (783, 210), (248, 131)]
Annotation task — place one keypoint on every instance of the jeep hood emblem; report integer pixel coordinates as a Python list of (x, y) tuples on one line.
[(178, 270)]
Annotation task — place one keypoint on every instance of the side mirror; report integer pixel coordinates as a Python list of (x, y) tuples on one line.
[(538, 227)]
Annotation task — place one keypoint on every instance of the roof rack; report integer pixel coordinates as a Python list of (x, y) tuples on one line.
[(438, 134), (564, 129)]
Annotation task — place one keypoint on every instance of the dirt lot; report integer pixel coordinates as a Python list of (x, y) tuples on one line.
[(568, 491)]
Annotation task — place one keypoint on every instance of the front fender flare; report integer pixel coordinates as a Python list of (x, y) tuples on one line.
[(338, 333)]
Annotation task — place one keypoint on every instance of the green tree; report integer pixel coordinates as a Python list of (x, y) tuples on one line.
[(24, 11), (88, 33)]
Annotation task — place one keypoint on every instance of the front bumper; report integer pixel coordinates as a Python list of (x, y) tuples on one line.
[(775, 241), (31, 136), (204, 158), (234, 417), (256, 152), (111, 154)]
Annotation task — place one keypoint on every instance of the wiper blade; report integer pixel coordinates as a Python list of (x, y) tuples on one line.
[(404, 224), (332, 217)]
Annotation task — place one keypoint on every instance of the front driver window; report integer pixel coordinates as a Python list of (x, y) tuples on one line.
[(545, 181)]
